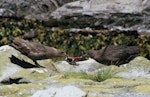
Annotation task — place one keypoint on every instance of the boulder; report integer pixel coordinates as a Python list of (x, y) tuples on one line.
[(37, 9), (139, 67), (30, 9), (13, 62), (66, 91), (89, 65), (7, 68)]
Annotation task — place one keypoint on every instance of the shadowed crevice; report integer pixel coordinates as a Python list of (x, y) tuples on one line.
[(21, 63), (18, 80)]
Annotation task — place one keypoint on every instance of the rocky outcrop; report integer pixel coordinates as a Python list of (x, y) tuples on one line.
[(30, 9), (13, 61), (130, 80), (139, 67), (35, 9), (91, 7), (19, 77), (97, 14), (111, 14), (7, 68)]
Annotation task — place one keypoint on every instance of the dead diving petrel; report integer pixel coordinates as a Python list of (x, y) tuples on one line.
[(36, 51)]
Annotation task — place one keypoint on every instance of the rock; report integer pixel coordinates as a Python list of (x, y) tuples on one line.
[(37, 9), (12, 61), (90, 7), (27, 76), (137, 68), (111, 14), (7, 67), (132, 94), (66, 91), (19, 90), (62, 2), (133, 79), (89, 65)]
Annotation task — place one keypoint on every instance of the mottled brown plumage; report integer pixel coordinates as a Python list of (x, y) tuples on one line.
[(36, 51), (116, 55)]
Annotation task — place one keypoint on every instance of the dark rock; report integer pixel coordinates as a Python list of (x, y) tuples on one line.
[(116, 55)]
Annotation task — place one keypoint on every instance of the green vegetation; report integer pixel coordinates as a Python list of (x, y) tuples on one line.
[(80, 75), (103, 74), (73, 43)]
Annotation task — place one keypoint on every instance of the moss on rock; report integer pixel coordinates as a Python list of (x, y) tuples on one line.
[(35, 74), (142, 88), (21, 90)]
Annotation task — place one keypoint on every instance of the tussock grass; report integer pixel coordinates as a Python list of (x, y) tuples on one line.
[(103, 74)]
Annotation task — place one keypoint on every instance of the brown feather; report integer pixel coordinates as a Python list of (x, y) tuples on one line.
[(114, 54), (36, 51)]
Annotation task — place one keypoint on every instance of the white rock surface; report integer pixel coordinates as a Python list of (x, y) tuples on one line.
[(89, 65), (7, 68), (66, 91), (139, 67), (97, 6)]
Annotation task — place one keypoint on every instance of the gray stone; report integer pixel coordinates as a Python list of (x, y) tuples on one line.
[(89, 65), (66, 91), (126, 15), (137, 68), (102, 6), (27, 76), (7, 67), (13, 64), (62, 2), (30, 9), (132, 94)]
